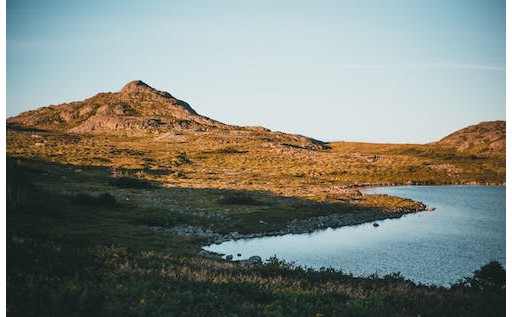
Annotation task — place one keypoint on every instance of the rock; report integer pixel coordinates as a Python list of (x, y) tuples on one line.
[(254, 259), (229, 257), (375, 224), (209, 254)]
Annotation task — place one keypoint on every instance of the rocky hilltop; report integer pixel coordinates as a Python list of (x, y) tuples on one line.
[(483, 138), (138, 110)]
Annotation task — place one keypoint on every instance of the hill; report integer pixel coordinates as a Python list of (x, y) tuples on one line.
[(110, 199), (146, 133), (136, 110), (484, 138)]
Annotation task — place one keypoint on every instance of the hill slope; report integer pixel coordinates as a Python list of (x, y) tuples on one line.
[(138, 110), (146, 133), (135, 109), (485, 138)]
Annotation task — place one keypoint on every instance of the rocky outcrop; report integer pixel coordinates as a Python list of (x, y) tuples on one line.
[(140, 110), (135, 109), (253, 260), (482, 138), (295, 226)]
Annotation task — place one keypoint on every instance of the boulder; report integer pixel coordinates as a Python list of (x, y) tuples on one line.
[(254, 260)]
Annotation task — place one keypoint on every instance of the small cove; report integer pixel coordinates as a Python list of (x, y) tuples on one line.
[(466, 231)]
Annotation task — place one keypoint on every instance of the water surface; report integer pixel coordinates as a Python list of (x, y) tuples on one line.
[(466, 231)]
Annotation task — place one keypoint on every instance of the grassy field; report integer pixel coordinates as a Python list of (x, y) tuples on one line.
[(78, 244), (91, 223), (257, 160)]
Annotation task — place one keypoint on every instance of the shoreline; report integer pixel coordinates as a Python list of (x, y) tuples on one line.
[(374, 185), (310, 225), (295, 226)]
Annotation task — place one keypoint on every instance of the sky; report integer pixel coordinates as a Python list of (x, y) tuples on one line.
[(398, 71)]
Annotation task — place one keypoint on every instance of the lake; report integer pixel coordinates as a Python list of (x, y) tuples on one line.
[(466, 231)]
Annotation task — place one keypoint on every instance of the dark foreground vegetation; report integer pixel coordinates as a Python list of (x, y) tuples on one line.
[(55, 279), (78, 244)]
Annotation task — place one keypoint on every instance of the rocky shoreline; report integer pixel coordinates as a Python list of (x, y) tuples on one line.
[(364, 186), (293, 227)]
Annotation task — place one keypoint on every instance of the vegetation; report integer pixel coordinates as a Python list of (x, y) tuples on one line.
[(240, 198), (105, 199), (76, 255), (202, 161), (490, 277), (127, 182), (115, 280), (110, 199)]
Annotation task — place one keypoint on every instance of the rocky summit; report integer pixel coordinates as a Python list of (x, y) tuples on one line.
[(484, 138), (138, 110)]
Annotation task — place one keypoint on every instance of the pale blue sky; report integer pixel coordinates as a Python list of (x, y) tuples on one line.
[(353, 70)]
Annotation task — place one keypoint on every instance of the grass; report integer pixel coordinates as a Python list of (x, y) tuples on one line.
[(114, 280), (260, 161), (78, 254), (80, 207)]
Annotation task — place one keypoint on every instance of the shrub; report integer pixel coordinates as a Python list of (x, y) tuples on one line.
[(127, 182), (490, 276), (83, 199), (104, 200), (240, 198), (20, 191)]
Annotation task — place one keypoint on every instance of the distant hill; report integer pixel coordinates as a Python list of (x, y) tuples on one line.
[(135, 109), (139, 110), (483, 138)]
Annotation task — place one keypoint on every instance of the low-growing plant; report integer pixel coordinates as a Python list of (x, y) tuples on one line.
[(128, 182), (490, 277), (103, 200), (106, 200), (240, 198)]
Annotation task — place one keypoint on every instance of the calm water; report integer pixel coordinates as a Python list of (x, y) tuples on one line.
[(466, 231)]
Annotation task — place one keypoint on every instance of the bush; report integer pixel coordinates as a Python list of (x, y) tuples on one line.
[(127, 182), (489, 277), (83, 199), (103, 200), (106, 200), (240, 198), (20, 191)]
